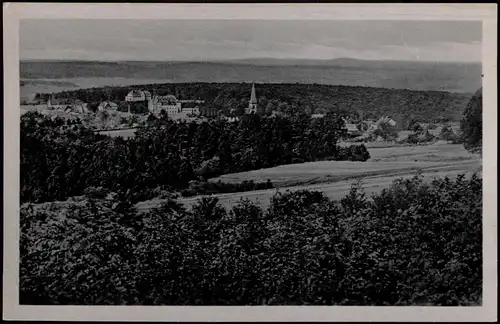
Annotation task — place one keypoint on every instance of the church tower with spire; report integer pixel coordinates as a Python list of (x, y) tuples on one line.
[(252, 104)]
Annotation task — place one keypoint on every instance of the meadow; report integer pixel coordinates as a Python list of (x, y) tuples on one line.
[(334, 178)]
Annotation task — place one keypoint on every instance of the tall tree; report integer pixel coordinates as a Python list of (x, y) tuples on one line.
[(472, 123)]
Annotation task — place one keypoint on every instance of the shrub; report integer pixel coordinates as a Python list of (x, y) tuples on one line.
[(447, 134), (209, 187), (386, 132), (352, 153), (415, 243), (98, 193)]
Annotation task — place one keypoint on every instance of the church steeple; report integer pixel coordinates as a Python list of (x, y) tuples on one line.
[(253, 97), (252, 104)]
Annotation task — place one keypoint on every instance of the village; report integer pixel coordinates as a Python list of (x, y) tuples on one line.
[(122, 118)]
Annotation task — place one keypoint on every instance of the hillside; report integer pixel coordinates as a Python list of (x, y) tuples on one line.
[(315, 98), (455, 77)]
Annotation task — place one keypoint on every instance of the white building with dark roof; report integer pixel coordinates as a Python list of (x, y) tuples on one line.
[(107, 105), (138, 95), (172, 107), (352, 130)]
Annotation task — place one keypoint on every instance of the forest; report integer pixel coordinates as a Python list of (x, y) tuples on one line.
[(428, 106), (413, 244), (57, 162)]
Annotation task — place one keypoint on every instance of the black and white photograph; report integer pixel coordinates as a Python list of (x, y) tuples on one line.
[(252, 161)]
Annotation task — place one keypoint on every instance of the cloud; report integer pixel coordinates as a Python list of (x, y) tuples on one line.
[(227, 39), (441, 52)]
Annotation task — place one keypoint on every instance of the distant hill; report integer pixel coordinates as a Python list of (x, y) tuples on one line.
[(454, 77)]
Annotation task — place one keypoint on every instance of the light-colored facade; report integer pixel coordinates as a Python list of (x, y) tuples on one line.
[(138, 95), (352, 130), (195, 111), (107, 105), (172, 107), (79, 108)]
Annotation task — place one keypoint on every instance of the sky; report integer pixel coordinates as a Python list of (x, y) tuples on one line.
[(208, 40)]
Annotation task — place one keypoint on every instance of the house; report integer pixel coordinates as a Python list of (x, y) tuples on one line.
[(138, 95), (352, 130), (169, 104), (387, 121), (371, 126), (173, 107), (195, 111), (210, 112), (171, 110), (230, 119), (107, 105), (78, 108)]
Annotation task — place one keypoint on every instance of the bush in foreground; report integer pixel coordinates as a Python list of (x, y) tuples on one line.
[(415, 243)]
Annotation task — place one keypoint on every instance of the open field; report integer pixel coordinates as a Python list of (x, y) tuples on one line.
[(383, 161), (334, 178)]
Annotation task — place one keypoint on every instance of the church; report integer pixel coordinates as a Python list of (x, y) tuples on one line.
[(252, 104)]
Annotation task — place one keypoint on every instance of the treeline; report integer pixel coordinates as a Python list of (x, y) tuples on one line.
[(210, 187), (413, 244), (429, 106), (166, 155)]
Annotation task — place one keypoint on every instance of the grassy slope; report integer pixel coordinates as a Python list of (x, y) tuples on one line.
[(334, 178)]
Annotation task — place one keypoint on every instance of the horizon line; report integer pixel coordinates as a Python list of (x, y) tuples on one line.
[(230, 60)]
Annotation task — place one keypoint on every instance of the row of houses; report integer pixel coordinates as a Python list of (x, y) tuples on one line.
[(137, 101)]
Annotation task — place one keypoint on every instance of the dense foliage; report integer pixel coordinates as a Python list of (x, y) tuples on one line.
[(210, 187), (306, 98), (57, 163), (472, 123), (415, 243)]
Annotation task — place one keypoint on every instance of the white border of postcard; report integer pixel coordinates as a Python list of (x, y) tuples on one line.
[(13, 12)]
